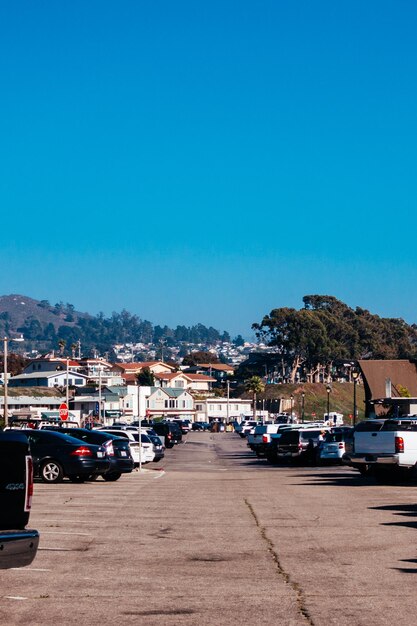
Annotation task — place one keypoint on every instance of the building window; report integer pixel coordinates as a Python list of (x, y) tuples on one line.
[(78, 381), (220, 407), (198, 407)]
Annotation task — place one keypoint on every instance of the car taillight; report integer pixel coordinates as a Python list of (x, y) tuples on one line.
[(399, 444), (29, 484), (169, 436), (341, 446), (108, 446), (81, 451), (300, 446)]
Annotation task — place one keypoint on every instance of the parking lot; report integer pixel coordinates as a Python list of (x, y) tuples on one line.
[(213, 535)]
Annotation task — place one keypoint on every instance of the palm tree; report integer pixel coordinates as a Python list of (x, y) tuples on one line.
[(255, 385), (61, 344)]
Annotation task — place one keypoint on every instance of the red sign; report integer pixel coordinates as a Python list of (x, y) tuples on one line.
[(63, 411)]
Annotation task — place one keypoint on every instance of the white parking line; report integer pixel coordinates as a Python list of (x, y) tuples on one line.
[(31, 569), (15, 597), (58, 532), (160, 474)]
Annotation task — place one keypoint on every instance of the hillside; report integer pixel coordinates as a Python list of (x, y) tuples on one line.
[(17, 310), (315, 401)]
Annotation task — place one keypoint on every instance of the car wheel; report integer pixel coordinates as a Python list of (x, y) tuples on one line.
[(52, 472), (112, 476)]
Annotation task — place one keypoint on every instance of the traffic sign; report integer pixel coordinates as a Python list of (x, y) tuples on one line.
[(63, 411)]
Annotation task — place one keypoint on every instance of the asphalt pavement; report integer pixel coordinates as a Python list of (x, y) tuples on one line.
[(213, 536)]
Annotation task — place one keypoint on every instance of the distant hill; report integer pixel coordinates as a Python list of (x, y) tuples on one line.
[(16, 310), (48, 327)]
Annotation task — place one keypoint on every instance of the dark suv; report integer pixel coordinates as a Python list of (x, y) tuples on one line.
[(170, 431), (295, 445)]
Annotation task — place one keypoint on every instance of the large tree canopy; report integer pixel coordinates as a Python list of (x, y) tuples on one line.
[(326, 329)]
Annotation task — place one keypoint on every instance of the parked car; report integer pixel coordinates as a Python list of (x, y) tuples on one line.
[(18, 545), (57, 455), (145, 450), (198, 426), (260, 440), (246, 426), (295, 444), (158, 446), (117, 450), (333, 448), (184, 425), (170, 431)]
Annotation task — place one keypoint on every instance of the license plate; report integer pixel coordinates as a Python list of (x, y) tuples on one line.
[(123, 453), (100, 455)]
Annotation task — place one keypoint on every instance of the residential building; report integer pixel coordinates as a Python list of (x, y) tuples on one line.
[(223, 409), (167, 402), (49, 379)]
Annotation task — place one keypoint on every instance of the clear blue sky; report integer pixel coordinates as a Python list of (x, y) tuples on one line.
[(209, 161)]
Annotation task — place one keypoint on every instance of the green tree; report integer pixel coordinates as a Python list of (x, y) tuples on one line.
[(145, 378), (254, 385), (194, 358)]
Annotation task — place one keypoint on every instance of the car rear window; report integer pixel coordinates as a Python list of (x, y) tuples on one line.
[(309, 434), (289, 436), (334, 437), (369, 426)]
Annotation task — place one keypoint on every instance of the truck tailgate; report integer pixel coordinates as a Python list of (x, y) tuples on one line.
[(375, 442)]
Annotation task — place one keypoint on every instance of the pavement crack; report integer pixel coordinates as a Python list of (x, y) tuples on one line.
[(296, 587)]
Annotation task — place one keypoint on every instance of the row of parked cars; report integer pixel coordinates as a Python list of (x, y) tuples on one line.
[(60, 450), (306, 442)]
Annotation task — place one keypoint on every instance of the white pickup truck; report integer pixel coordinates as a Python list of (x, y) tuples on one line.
[(261, 437), (389, 447)]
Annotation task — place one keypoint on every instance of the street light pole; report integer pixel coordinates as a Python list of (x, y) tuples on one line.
[(228, 401), (328, 389), (355, 380), (6, 417), (292, 407), (6, 411), (303, 395)]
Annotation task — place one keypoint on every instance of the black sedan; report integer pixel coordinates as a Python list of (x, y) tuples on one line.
[(117, 449), (57, 455)]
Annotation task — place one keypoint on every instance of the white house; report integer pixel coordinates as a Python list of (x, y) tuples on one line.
[(223, 409), (49, 379), (168, 402), (180, 380)]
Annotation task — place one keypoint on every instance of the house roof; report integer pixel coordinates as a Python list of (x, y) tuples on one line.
[(71, 362), (201, 378), (52, 374), (138, 366), (191, 377), (217, 366), (169, 391), (400, 372)]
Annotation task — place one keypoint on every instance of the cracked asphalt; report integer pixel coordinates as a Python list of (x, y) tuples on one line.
[(214, 536)]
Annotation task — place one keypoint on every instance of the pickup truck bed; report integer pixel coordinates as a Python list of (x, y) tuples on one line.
[(393, 446)]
